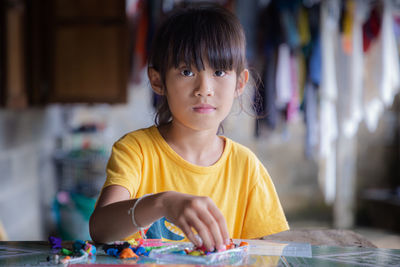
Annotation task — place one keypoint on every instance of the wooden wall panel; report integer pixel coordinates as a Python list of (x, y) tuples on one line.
[(89, 8), (78, 51), (88, 64)]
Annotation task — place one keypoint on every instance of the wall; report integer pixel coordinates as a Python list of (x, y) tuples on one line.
[(26, 178), (378, 177)]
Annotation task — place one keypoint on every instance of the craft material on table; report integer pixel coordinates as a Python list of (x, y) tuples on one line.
[(234, 253), (126, 250), (81, 251), (287, 249)]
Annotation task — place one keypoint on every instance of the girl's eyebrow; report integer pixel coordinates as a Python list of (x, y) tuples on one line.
[(184, 66)]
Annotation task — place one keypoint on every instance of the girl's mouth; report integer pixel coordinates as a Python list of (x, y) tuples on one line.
[(204, 108)]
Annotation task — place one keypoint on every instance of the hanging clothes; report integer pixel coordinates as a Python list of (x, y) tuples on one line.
[(311, 119), (372, 27), (314, 46), (290, 28), (269, 93), (287, 34), (283, 74), (315, 62), (293, 104), (330, 11), (143, 15), (347, 26), (303, 27), (269, 36), (140, 30), (311, 100), (351, 112), (382, 80), (372, 68), (390, 57), (312, 55)]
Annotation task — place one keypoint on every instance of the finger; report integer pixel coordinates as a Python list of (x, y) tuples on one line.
[(216, 225), (187, 230), (221, 222), (202, 231), (213, 227)]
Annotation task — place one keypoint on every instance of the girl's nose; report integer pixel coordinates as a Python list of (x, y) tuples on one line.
[(204, 87), (207, 92)]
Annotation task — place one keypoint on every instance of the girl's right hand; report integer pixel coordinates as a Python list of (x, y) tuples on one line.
[(201, 214)]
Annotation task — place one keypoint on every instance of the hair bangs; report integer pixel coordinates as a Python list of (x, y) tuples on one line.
[(206, 38)]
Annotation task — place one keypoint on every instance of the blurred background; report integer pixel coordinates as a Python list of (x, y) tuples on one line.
[(326, 83)]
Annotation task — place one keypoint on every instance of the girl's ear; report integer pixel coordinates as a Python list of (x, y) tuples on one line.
[(155, 81), (243, 78)]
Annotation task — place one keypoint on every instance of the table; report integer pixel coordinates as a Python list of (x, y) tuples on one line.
[(262, 253), (323, 237)]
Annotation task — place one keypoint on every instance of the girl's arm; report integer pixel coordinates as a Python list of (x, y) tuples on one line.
[(110, 220)]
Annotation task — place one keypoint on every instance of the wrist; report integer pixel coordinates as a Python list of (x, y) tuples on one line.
[(133, 214), (162, 202)]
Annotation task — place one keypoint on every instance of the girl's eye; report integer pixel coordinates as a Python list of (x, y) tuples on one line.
[(219, 73), (187, 73)]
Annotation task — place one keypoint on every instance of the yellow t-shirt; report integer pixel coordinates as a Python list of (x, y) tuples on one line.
[(143, 163)]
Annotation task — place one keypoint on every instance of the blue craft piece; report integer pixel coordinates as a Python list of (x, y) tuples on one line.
[(78, 245), (93, 250), (179, 252), (113, 252), (140, 251), (55, 242), (146, 253)]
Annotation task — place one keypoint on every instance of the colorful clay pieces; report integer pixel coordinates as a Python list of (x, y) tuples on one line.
[(142, 247), (127, 253), (127, 250), (201, 251), (80, 251), (55, 242)]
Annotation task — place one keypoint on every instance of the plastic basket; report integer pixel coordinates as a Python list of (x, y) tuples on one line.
[(72, 213), (80, 171), (229, 257)]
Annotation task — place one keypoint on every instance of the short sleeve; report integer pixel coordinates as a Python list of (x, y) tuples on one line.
[(264, 213), (124, 166)]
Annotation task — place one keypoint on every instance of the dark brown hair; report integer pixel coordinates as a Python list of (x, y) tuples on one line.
[(192, 35)]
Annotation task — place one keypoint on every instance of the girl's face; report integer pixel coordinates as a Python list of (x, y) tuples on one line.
[(201, 100)]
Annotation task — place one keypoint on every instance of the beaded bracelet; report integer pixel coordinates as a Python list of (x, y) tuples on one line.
[(131, 211)]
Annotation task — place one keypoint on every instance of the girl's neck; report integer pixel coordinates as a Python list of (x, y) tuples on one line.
[(202, 148)]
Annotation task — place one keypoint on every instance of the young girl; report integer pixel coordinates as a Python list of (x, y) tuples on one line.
[(179, 179)]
